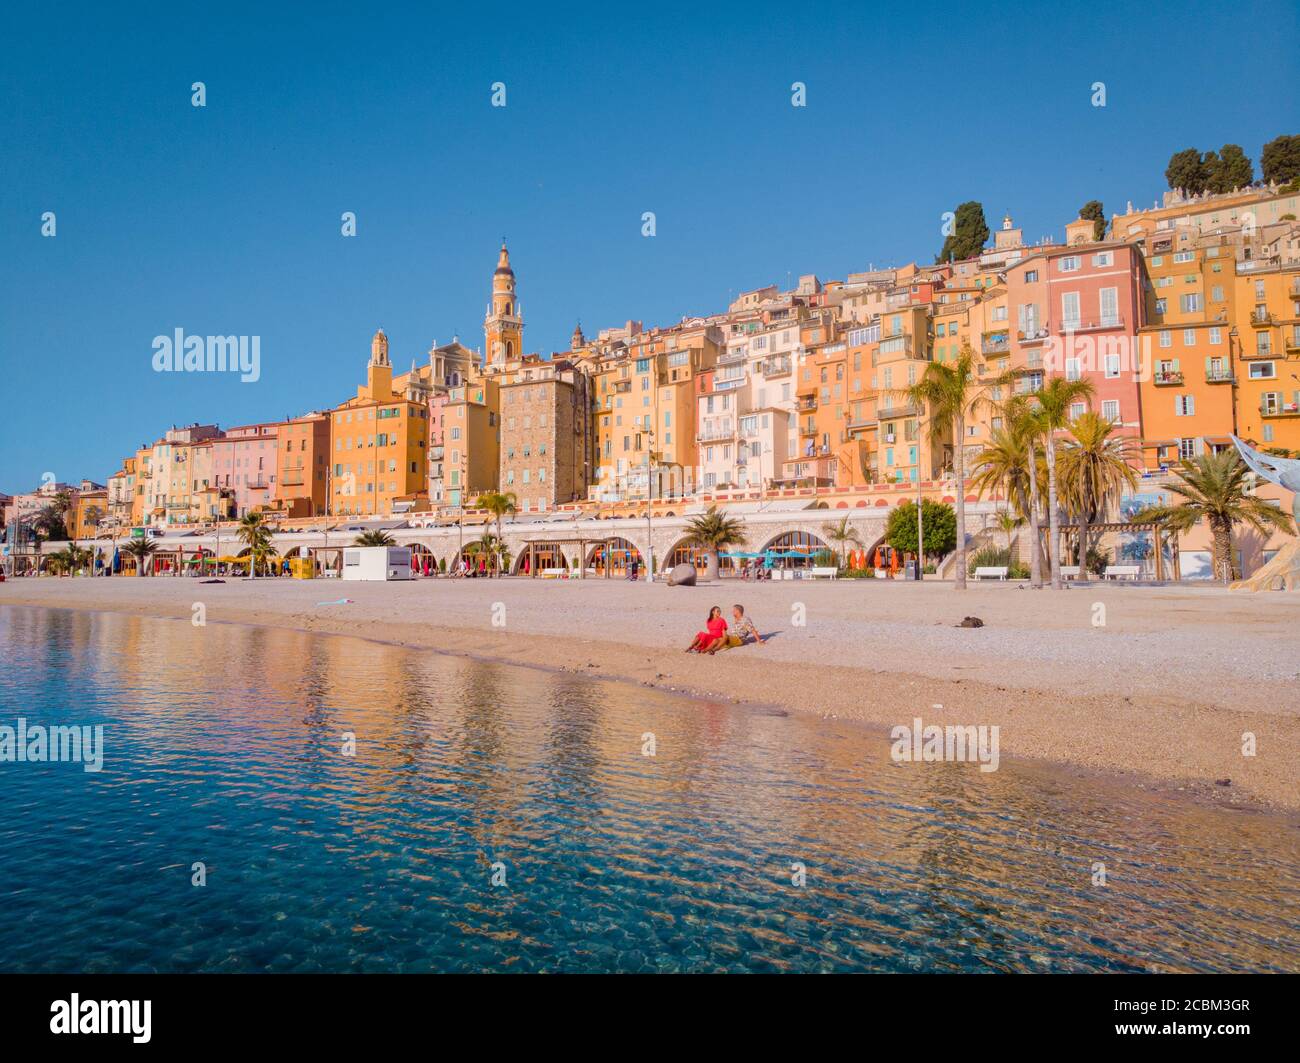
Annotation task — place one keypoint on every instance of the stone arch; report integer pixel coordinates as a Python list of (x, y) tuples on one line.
[(683, 553), (616, 553), (797, 541)]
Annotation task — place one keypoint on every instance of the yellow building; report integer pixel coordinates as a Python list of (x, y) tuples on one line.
[(378, 442), (1267, 328)]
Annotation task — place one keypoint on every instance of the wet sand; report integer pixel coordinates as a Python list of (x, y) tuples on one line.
[(1163, 690)]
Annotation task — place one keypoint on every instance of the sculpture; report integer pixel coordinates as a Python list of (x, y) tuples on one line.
[(1285, 566)]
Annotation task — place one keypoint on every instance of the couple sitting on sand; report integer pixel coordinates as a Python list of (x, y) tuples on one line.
[(715, 637)]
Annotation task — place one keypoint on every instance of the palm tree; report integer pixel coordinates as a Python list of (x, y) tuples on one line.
[(141, 549), (1215, 489), (952, 393), (498, 503), (494, 547), (1008, 521), (255, 533), (1004, 465), (842, 533), (1095, 465), (712, 530), (374, 538), (49, 523), (1054, 400)]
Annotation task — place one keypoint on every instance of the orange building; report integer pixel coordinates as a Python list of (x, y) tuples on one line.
[(303, 453)]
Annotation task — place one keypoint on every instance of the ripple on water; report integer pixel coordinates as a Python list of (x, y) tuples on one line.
[(223, 746)]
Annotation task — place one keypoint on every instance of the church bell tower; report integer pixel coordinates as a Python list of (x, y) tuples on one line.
[(504, 325)]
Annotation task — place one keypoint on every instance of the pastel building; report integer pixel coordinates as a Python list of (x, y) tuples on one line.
[(244, 465)]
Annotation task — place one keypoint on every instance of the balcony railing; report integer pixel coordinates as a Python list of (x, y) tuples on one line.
[(1080, 325), (1219, 376), (996, 345), (1167, 378), (808, 403), (1037, 335), (775, 367), (1286, 409), (716, 432), (1261, 318), (898, 411)]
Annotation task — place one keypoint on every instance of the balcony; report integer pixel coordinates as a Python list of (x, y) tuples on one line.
[(775, 367), (899, 411), (1219, 376), (998, 344), (292, 478), (808, 429), (1261, 318), (621, 387), (716, 433), (892, 345), (1286, 409), (807, 403), (1095, 325), (1031, 336), (1292, 343), (1167, 378)]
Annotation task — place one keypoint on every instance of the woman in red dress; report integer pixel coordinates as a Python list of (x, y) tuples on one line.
[(715, 628)]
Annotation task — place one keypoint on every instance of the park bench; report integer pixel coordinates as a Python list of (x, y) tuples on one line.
[(827, 572), (1069, 572), (1122, 572), (555, 573), (991, 572)]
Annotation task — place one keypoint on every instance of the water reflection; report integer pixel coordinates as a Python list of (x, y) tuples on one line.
[(224, 745)]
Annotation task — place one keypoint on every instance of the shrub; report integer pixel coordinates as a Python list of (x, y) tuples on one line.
[(997, 557), (940, 528)]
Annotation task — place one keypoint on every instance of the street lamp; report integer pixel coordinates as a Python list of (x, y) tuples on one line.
[(649, 499)]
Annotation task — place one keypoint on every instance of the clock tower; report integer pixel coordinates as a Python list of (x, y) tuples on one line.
[(504, 325)]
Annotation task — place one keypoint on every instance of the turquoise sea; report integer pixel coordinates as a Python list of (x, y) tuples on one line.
[(504, 819)]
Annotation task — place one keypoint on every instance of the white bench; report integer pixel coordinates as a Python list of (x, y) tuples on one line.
[(991, 572), (827, 572), (1122, 572), (555, 573), (1069, 572)]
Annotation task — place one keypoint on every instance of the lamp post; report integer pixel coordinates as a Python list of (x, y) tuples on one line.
[(649, 500)]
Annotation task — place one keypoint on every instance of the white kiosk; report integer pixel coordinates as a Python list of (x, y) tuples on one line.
[(377, 562)]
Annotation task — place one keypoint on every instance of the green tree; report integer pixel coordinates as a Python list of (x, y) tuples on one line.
[(1054, 401), (1228, 169), (951, 393), (969, 235), (255, 533), (493, 547), (1003, 465), (374, 537), (712, 530), (1280, 161), (1095, 465), (842, 533), (1093, 211), (1186, 171), (498, 503), (141, 549), (1215, 488), (49, 523), (940, 527)]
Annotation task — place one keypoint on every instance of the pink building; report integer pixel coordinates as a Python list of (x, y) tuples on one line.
[(1076, 313), (243, 460)]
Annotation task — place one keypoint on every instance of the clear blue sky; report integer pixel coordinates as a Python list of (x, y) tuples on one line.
[(225, 219)]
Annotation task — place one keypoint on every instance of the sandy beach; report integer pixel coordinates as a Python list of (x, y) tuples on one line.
[(1162, 691)]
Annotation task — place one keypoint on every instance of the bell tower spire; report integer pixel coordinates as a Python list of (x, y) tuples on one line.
[(504, 325)]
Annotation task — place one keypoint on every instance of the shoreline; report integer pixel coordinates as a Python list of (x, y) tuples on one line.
[(1167, 743)]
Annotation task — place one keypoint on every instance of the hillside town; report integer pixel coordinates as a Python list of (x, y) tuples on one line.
[(1184, 317)]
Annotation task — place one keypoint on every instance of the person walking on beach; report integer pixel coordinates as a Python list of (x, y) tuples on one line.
[(715, 630), (742, 631)]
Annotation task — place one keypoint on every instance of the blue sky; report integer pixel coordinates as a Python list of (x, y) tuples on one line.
[(226, 219)]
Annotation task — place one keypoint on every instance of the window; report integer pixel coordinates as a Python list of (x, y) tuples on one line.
[(1109, 305), (1103, 258), (1110, 409), (1216, 335), (1189, 304), (1189, 337), (1070, 309), (1263, 371), (1166, 338), (1072, 370), (1112, 366), (1031, 276), (1077, 410), (1187, 449), (1070, 264), (1184, 405)]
